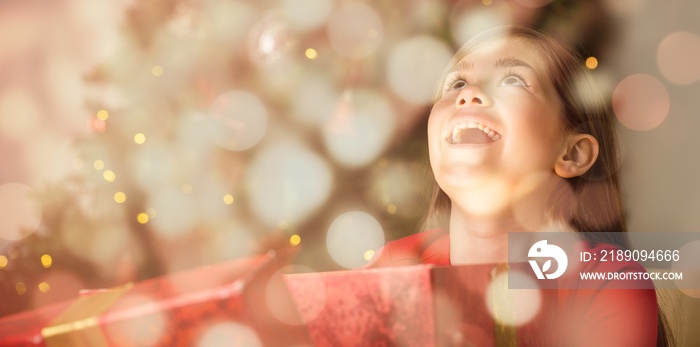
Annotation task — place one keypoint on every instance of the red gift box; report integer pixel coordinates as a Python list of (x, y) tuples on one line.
[(422, 306), (237, 303)]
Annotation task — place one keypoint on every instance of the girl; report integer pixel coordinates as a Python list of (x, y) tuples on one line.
[(519, 141)]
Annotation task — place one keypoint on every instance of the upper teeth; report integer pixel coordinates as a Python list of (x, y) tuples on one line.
[(457, 131)]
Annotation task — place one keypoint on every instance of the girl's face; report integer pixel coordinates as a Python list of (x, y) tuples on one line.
[(496, 132)]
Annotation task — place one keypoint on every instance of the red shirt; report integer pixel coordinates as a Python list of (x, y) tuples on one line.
[(605, 316)]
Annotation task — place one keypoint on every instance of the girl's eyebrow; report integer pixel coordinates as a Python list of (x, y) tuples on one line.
[(463, 65), (510, 62)]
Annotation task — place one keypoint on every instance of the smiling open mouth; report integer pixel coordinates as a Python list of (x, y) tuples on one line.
[(472, 133)]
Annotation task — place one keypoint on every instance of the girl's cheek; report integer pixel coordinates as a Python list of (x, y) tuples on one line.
[(440, 107), (433, 127)]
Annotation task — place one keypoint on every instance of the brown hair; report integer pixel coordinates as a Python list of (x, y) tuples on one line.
[(595, 207)]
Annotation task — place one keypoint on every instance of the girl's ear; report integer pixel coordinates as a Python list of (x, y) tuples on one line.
[(580, 153)]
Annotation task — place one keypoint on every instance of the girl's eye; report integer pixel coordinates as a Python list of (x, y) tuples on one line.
[(513, 81), (458, 84)]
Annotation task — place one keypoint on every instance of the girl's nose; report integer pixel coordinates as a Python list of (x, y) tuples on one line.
[(475, 100), (472, 97)]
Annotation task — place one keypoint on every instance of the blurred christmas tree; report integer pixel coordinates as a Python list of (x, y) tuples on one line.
[(223, 127)]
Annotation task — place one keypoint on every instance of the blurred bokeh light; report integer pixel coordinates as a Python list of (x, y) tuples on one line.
[(414, 67), (512, 307), (286, 182), (230, 333), (361, 128), (678, 57), (351, 235), (306, 14), (315, 100), (145, 329), (240, 120), (177, 213), (468, 21), (641, 102), (355, 30)]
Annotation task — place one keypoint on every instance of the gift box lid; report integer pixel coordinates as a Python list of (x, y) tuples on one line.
[(230, 300), (421, 305)]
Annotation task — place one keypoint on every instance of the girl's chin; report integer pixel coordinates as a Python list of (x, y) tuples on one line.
[(485, 200), (462, 179)]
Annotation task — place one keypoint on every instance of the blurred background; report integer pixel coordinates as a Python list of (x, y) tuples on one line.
[(145, 137)]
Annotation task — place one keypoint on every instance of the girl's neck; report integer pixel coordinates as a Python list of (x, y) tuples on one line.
[(479, 240)]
